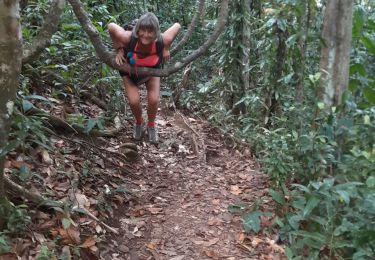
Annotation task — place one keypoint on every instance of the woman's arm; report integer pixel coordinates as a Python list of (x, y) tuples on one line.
[(168, 37), (120, 38), (170, 34)]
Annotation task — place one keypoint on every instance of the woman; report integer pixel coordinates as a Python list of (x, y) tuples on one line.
[(145, 40)]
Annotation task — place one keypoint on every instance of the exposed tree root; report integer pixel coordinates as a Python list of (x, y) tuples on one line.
[(61, 124), (18, 191), (94, 100)]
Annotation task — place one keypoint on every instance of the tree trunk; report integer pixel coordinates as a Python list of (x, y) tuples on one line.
[(245, 59), (272, 99), (10, 68), (300, 69), (334, 61)]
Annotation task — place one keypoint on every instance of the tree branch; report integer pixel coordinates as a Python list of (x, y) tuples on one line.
[(108, 58), (43, 39), (191, 28)]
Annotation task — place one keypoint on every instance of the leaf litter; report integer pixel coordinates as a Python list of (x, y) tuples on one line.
[(173, 204)]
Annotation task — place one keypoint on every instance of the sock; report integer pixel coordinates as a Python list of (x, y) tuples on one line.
[(139, 121), (151, 124)]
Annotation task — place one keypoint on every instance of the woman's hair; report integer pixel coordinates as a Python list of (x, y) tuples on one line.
[(148, 21)]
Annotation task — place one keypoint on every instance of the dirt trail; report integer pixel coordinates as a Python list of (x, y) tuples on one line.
[(185, 187)]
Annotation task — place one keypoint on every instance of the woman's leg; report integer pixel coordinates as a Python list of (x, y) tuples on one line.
[(153, 91), (134, 100), (132, 91)]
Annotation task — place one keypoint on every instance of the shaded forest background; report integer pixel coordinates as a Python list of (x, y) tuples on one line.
[(263, 83)]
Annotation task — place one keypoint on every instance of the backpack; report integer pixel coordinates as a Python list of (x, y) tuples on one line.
[(129, 49)]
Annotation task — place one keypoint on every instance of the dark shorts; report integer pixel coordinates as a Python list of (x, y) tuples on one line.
[(137, 79)]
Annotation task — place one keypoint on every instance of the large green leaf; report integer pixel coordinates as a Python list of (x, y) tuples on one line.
[(369, 93), (251, 221), (310, 205), (26, 105), (312, 235), (358, 68), (370, 182), (369, 44), (66, 223), (277, 196), (90, 125), (358, 21)]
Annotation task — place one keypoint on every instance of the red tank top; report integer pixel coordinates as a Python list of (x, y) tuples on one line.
[(148, 61)]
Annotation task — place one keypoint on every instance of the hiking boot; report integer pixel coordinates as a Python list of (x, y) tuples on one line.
[(138, 132), (152, 135)]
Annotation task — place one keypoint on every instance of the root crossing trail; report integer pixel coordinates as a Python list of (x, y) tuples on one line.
[(186, 188)]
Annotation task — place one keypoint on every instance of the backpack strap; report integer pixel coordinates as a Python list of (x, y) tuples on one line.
[(131, 45), (159, 49)]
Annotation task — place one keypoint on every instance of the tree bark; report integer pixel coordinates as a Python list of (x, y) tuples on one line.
[(108, 58), (10, 69), (245, 59), (300, 69), (272, 99), (335, 53), (189, 32), (43, 39)]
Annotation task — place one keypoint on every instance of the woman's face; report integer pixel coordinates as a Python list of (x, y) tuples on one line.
[(146, 36)]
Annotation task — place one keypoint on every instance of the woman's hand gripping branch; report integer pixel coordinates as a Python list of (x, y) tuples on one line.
[(120, 58)]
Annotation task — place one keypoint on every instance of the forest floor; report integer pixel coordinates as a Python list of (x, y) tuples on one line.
[(182, 199)]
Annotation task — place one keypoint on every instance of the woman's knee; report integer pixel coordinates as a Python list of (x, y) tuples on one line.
[(111, 27), (153, 98)]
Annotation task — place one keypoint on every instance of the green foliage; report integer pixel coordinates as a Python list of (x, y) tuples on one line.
[(4, 246), (45, 254), (14, 219), (330, 155), (27, 131), (335, 220)]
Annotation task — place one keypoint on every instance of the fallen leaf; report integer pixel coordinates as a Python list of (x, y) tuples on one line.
[(275, 247), (243, 176), (19, 164), (198, 242), (66, 253), (180, 257), (187, 205), (214, 221), (45, 156), (211, 254), (94, 249), (241, 238), (235, 190), (155, 211), (39, 237), (98, 229), (256, 241), (89, 242), (151, 246), (69, 236), (80, 201), (119, 199), (211, 242)]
